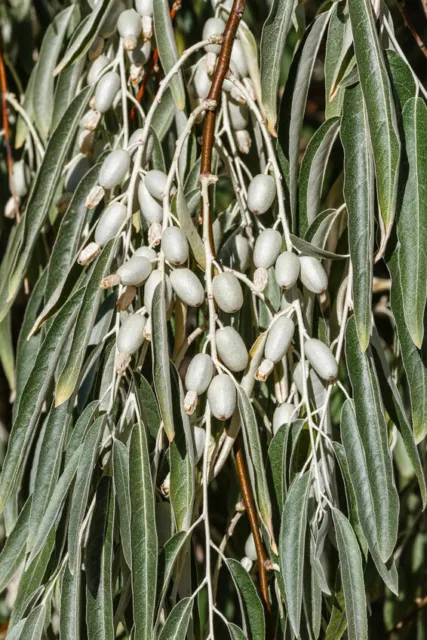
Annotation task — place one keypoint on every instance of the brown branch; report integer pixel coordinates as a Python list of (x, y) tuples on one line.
[(421, 603), (215, 91), (409, 23)]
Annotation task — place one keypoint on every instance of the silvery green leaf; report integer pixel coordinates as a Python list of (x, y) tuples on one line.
[(7, 356), (33, 395), (164, 116), (99, 560), (168, 53), (312, 172), (370, 417), (143, 533), (309, 249), (161, 366), (252, 604), (69, 618), (13, 552), (273, 40), (122, 490), (176, 624), (352, 577), (79, 429), (188, 228), (235, 632), (33, 627), (167, 558), (277, 456), (412, 221), (318, 232), (402, 79), (292, 547), (28, 105), (360, 203), (147, 404), (380, 109), (338, 52), (43, 102), (70, 374), (311, 594)]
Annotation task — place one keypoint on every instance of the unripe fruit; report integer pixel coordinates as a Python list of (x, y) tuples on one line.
[(202, 80), (141, 53), (260, 278), (246, 563), (239, 115), (106, 90), (109, 22), (146, 252), (261, 193), (174, 245), (110, 223), (135, 271), (129, 26), (114, 169), (250, 549), (131, 334), (199, 373), (144, 7), (227, 292), (151, 210), (187, 287), (155, 181), (243, 141), (163, 522), (21, 178), (231, 349), (239, 59), (287, 269), (199, 443), (279, 339), (283, 414), (150, 286), (79, 167), (222, 397), (312, 275), (321, 359), (236, 253), (267, 248), (213, 27)]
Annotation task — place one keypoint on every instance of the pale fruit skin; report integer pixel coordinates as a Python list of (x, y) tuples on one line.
[(239, 115), (202, 81), (279, 339), (141, 53), (146, 252), (222, 397), (75, 173), (236, 253), (106, 90), (150, 287), (97, 66), (199, 443), (267, 248), (131, 334), (239, 59), (283, 414), (187, 287), (148, 147), (135, 271), (315, 384), (321, 359), (231, 349), (312, 274), (21, 178), (246, 563), (110, 223), (213, 26), (114, 168), (287, 269), (199, 373), (155, 181), (144, 7), (129, 25), (175, 246), (227, 292), (151, 210), (250, 549), (261, 193)]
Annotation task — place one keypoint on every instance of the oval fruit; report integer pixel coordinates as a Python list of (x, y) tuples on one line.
[(114, 168), (283, 414), (110, 223), (279, 339), (287, 269), (222, 397), (131, 334), (267, 248), (321, 359), (199, 373), (150, 286), (231, 349), (261, 193), (175, 246), (187, 287), (213, 27), (106, 90), (227, 292), (151, 210), (135, 271), (312, 275)]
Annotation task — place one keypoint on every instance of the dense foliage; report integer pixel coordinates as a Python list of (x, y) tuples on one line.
[(212, 319)]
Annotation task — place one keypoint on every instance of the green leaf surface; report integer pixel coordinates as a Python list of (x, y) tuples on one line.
[(79, 430), (147, 404), (373, 433), (122, 490), (177, 621), (7, 356), (360, 201), (13, 551), (160, 350), (380, 109), (235, 632), (168, 53), (28, 105), (188, 228), (402, 79), (309, 249), (252, 604), (33, 627), (69, 619), (143, 534), (318, 232), (338, 51), (167, 558)]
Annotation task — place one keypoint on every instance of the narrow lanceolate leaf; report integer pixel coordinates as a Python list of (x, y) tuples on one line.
[(34, 394), (181, 459), (360, 203), (79, 430), (88, 457), (366, 505), (13, 551), (7, 357), (372, 427), (235, 632), (147, 404), (28, 106), (33, 627), (70, 374), (99, 560), (122, 490), (176, 624), (48, 467), (42, 196), (380, 109), (252, 604), (415, 365), (188, 228), (312, 172), (254, 452), (412, 222), (338, 48), (273, 39), (69, 619), (168, 53), (49, 52), (292, 546), (161, 370), (352, 577), (143, 534), (56, 502), (87, 35), (402, 78), (167, 559)]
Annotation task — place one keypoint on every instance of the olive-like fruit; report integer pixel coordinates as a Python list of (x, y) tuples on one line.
[(279, 339), (283, 414), (187, 287), (151, 210), (312, 274), (154, 279), (135, 271), (146, 252), (114, 169), (131, 334), (267, 248), (155, 181), (231, 349), (129, 26), (250, 549), (222, 397), (110, 223), (175, 246), (106, 90), (287, 269), (199, 373), (213, 27), (261, 193), (321, 359), (227, 292)]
